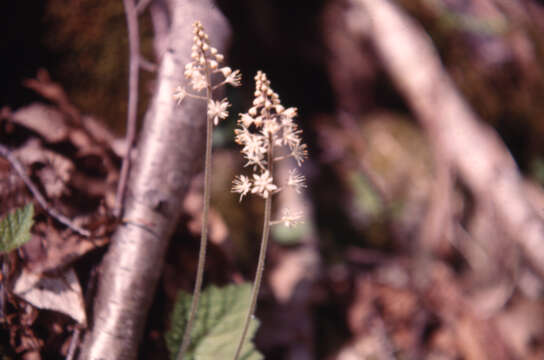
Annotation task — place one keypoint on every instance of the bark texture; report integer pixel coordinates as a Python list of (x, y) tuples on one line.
[(474, 149), (169, 152)]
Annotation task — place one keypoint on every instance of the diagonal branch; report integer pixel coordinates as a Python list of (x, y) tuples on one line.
[(19, 169), (475, 150)]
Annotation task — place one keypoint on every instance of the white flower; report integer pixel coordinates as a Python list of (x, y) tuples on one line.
[(255, 149), (242, 185), (290, 112), (242, 135), (252, 111), (213, 64), (234, 78), (246, 120), (198, 80), (218, 110), (291, 218), (258, 121), (296, 181), (270, 127), (262, 184), (299, 153), (226, 71), (290, 135), (179, 94), (189, 67), (258, 101)]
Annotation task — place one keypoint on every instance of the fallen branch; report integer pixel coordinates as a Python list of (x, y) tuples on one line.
[(19, 169), (475, 150)]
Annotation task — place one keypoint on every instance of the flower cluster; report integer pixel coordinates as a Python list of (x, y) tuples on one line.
[(268, 134), (291, 218), (205, 62)]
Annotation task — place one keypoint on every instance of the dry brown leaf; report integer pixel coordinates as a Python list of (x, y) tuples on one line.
[(61, 293), (521, 324), (101, 133), (50, 250), (56, 172), (43, 119), (53, 91), (365, 347)]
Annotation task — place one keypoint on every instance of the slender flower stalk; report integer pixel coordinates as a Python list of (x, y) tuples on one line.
[(267, 127), (199, 72)]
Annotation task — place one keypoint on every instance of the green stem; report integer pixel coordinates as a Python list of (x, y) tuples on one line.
[(261, 262), (204, 233), (258, 274)]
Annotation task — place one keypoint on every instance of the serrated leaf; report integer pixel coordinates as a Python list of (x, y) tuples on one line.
[(218, 324), (15, 228)]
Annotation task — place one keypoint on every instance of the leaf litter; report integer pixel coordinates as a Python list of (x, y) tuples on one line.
[(72, 160)]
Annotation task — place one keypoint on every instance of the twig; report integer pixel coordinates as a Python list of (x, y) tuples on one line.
[(73, 344), (134, 50), (142, 5), (8, 155), (147, 65)]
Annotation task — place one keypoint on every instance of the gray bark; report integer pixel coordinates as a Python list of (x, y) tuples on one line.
[(170, 151)]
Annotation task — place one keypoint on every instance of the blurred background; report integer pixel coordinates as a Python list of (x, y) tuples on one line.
[(403, 254)]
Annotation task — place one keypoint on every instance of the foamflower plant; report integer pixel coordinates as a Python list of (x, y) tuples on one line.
[(267, 134), (204, 66)]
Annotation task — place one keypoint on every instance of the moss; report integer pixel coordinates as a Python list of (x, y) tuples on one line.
[(90, 40)]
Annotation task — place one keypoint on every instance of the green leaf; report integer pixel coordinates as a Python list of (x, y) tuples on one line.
[(218, 324), (290, 235), (15, 228)]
